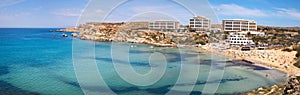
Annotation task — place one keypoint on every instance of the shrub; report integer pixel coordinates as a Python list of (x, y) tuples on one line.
[(298, 53), (201, 42), (298, 77), (287, 49), (297, 64), (296, 48)]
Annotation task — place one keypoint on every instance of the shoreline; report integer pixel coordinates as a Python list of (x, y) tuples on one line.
[(223, 53), (287, 68), (270, 59), (289, 85)]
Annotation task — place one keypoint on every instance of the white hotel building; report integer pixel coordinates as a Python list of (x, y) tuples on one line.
[(200, 23), (238, 39), (237, 25), (164, 25)]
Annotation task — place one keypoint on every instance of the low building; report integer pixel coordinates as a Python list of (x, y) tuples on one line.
[(200, 23), (236, 25), (164, 25), (261, 34), (238, 39), (216, 30), (183, 29)]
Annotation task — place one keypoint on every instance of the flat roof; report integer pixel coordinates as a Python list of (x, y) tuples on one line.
[(237, 20)]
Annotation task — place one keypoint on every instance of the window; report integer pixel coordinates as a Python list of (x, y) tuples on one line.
[(228, 28), (170, 27), (228, 22), (236, 23), (170, 23), (236, 28)]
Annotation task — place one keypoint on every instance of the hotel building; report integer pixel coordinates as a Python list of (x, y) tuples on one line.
[(238, 39), (237, 25), (200, 23), (164, 25)]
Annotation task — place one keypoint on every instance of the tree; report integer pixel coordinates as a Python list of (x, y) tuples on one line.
[(225, 36), (258, 29), (201, 42), (297, 48), (248, 34)]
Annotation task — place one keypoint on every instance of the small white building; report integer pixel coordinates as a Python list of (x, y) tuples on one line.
[(182, 29), (252, 33), (216, 30), (238, 39)]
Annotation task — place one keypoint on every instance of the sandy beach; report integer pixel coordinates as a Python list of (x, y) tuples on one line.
[(274, 59)]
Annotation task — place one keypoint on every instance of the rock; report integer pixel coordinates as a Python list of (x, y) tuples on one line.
[(74, 34), (292, 86), (259, 89), (274, 86), (261, 92)]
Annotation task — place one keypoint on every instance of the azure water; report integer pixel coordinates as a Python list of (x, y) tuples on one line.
[(36, 61)]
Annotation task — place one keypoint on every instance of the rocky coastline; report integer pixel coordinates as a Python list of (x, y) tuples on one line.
[(291, 87), (135, 32)]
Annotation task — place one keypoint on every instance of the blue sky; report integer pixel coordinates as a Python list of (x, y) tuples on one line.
[(65, 13)]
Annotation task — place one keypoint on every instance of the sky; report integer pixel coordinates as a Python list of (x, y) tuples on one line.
[(66, 13)]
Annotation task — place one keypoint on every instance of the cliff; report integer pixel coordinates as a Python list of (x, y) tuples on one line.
[(137, 32)]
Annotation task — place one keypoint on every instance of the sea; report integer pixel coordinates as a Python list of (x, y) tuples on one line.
[(37, 61)]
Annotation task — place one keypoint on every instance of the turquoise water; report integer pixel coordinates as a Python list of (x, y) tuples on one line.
[(36, 61)]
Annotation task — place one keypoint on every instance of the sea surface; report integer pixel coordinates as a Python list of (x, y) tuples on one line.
[(35, 61)]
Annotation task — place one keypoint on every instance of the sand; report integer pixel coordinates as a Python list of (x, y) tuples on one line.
[(276, 59)]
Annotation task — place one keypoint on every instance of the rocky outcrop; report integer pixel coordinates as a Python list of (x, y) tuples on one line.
[(291, 87), (70, 29), (136, 32)]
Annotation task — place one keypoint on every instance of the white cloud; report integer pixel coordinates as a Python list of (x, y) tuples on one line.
[(67, 12), (4, 3), (236, 10), (288, 13)]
